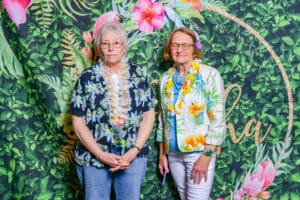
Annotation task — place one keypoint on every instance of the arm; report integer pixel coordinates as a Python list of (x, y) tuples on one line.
[(145, 128), (163, 160), (86, 138), (216, 131)]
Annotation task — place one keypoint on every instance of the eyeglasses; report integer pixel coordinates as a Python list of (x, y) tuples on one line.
[(184, 46), (116, 44)]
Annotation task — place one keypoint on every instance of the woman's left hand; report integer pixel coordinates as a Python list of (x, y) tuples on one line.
[(125, 160), (200, 169)]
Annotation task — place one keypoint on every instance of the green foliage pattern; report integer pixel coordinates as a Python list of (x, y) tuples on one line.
[(40, 62)]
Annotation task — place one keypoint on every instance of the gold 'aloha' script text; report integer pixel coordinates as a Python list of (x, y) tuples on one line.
[(253, 126)]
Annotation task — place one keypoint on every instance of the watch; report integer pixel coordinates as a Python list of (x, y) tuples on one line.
[(207, 152)]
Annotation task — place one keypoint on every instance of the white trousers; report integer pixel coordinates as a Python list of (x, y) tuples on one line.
[(181, 165)]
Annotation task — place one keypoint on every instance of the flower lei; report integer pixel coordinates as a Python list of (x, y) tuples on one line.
[(118, 94), (119, 101), (186, 87)]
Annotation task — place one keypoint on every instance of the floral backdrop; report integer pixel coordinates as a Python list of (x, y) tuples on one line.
[(45, 44)]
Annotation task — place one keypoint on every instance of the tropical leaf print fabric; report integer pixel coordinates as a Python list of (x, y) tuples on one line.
[(89, 101)]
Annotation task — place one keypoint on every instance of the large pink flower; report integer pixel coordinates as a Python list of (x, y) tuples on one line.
[(16, 10), (111, 16), (266, 173), (148, 15), (252, 184)]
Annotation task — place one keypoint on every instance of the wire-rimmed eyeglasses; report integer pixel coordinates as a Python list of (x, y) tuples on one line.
[(184, 46), (115, 44)]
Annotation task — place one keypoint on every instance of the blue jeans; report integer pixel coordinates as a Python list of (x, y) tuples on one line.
[(127, 183)]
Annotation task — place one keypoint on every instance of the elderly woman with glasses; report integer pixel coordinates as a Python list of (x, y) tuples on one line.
[(191, 121), (112, 113)]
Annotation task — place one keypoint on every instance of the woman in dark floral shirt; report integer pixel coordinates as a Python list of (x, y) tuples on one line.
[(113, 115)]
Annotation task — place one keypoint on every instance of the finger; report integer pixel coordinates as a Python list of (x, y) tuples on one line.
[(124, 163), (161, 169), (196, 178), (114, 169), (166, 167), (205, 176)]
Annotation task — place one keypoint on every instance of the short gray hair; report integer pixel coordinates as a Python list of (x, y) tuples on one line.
[(115, 27)]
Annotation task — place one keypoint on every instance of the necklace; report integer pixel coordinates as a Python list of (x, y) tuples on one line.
[(118, 93), (185, 89)]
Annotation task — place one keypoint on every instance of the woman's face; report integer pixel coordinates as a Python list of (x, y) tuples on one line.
[(182, 48), (112, 47)]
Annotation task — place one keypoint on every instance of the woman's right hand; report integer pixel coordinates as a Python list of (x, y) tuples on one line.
[(110, 159), (163, 164)]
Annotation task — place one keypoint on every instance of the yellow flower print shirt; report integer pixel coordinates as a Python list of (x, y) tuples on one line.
[(199, 109)]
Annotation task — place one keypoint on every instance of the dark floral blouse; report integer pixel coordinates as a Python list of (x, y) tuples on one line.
[(89, 101)]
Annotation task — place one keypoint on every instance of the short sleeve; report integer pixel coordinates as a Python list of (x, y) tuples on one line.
[(78, 101)]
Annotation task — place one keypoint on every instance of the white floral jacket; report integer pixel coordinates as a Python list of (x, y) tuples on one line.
[(199, 109)]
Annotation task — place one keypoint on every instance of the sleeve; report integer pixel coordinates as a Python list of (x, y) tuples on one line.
[(159, 132), (78, 100), (215, 102), (149, 100)]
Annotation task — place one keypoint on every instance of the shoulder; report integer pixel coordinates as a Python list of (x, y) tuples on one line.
[(207, 70), (136, 70), (166, 74), (88, 71)]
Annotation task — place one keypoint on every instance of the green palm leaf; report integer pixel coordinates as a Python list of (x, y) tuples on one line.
[(9, 63)]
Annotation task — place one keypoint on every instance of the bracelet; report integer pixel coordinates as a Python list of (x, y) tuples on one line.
[(138, 148)]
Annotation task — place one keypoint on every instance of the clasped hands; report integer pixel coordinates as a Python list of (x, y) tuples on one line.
[(116, 162)]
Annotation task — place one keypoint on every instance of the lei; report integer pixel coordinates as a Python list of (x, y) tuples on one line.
[(119, 100), (186, 87)]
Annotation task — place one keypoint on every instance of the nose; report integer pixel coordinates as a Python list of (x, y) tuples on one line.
[(179, 47), (110, 46)]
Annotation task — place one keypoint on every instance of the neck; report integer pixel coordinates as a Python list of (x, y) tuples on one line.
[(183, 69), (114, 68)]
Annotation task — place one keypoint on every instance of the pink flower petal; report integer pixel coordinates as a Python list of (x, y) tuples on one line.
[(252, 184), (145, 27), (158, 8), (158, 22), (111, 16), (16, 10), (148, 15), (87, 37), (136, 14), (239, 195), (144, 4), (266, 173)]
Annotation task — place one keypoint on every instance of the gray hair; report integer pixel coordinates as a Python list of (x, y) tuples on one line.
[(115, 27)]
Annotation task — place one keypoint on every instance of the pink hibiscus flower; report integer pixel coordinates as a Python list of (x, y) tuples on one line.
[(16, 10), (266, 173), (148, 15), (111, 16)]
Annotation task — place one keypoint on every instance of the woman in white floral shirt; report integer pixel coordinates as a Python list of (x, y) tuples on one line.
[(192, 121), (113, 115)]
